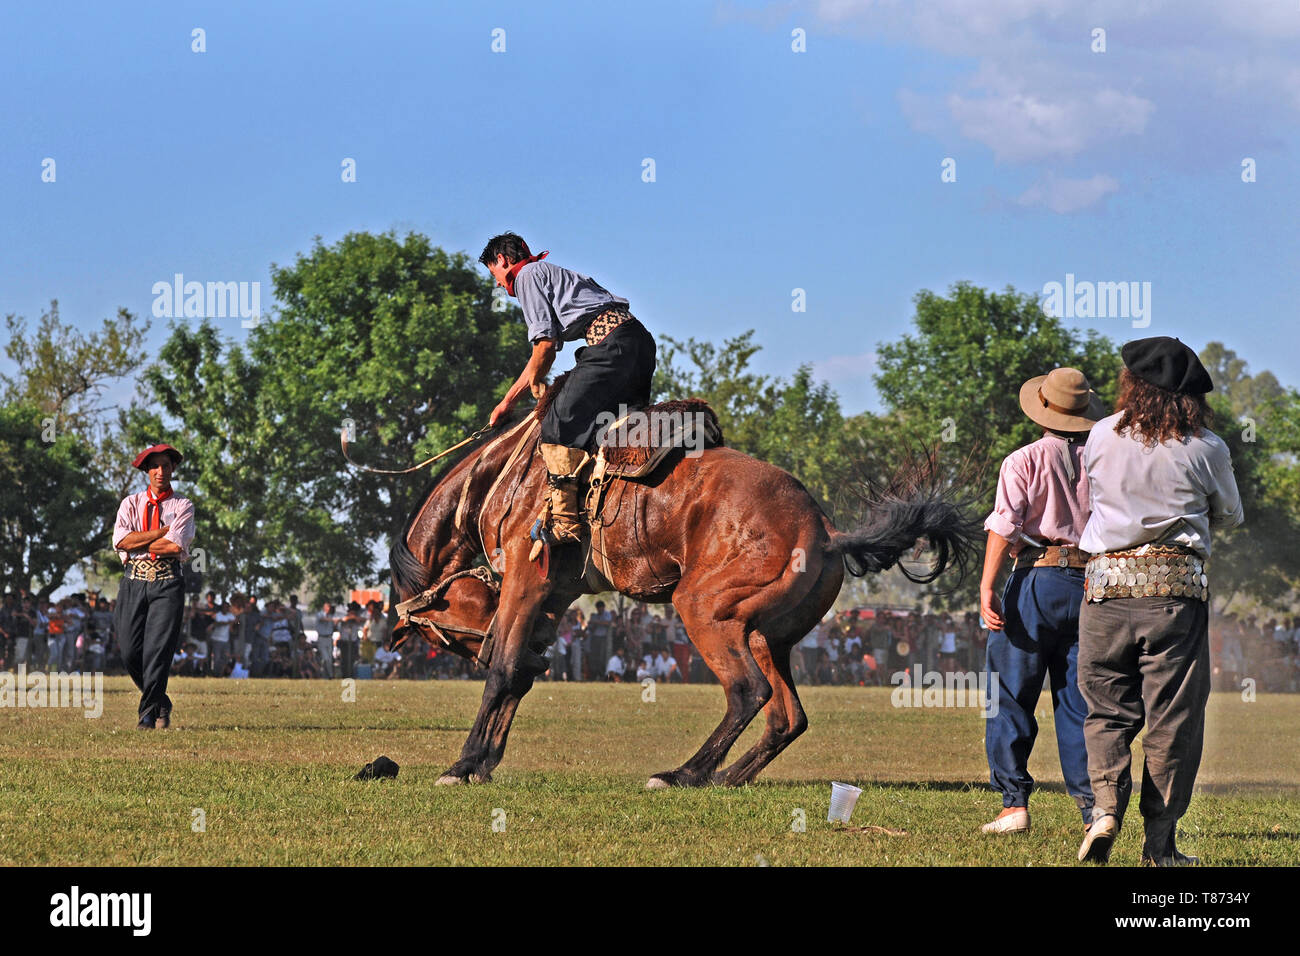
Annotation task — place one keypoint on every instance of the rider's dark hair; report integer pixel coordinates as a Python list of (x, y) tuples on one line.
[(507, 244)]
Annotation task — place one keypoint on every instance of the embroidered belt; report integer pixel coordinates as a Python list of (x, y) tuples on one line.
[(1149, 571), (603, 324), (153, 569), (1053, 556)]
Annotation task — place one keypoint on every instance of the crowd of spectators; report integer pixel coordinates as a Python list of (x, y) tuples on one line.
[(879, 647), (237, 637)]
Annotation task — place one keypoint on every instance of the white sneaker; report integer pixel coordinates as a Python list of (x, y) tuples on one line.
[(1017, 822), (1099, 839)]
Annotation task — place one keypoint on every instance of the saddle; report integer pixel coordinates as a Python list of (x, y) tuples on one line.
[(634, 448), (638, 443)]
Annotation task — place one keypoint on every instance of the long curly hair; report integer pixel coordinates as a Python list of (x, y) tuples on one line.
[(1154, 415)]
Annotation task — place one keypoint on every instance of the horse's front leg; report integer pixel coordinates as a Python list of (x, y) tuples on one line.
[(515, 665)]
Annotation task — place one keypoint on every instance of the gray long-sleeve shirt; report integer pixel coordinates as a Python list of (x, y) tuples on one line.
[(1138, 492), (558, 303)]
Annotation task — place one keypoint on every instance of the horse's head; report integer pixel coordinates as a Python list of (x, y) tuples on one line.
[(456, 615)]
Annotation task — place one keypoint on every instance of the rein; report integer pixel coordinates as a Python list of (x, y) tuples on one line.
[(407, 610), (343, 440)]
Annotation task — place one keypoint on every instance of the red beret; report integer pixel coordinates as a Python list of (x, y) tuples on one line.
[(176, 456)]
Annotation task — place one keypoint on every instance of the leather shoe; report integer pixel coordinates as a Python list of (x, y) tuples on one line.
[(1099, 839), (1017, 822), (164, 719), (145, 725)]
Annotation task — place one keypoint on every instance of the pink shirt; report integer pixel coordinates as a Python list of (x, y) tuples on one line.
[(1036, 496), (177, 513)]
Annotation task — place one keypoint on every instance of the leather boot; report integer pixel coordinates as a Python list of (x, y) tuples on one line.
[(562, 466)]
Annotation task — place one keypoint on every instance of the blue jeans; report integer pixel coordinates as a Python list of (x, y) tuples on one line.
[(1040, 608)]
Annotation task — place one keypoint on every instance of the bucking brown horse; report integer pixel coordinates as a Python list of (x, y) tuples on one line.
[(742, 550)]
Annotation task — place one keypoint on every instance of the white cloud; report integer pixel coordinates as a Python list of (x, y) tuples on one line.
[(1063, 195), (839, 368), (1023, 126), (1171, 71)]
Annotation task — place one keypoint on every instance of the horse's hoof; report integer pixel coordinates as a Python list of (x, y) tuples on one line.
[(448, 780), (657, 783)]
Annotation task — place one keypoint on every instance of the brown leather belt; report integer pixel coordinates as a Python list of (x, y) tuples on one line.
[(1053, 556), (1149, 571), (151, 569), (603, 324)]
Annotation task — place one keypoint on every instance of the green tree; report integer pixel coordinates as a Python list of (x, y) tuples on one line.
[(55, 511), (796, 425), (398, 340), (63, 373), (957, 380), (955, 383), (1261, 558), (1244, 394)]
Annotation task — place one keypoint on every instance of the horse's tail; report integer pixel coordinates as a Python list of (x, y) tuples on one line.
[(918, 503)]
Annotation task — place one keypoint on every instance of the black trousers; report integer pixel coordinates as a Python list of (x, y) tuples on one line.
[(616, 372), (149, 629)]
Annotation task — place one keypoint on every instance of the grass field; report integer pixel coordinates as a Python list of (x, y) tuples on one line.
[(269, 764)]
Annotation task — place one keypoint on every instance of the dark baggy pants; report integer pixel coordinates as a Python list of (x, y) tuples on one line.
[(616, 371), (1145, 659), (1041, 639), (149, 629)]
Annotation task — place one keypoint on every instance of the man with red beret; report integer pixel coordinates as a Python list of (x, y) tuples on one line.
[(152, 536), (1159, 480)]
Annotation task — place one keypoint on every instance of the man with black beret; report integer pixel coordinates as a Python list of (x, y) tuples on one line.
[(152, 535), (1159, 480)]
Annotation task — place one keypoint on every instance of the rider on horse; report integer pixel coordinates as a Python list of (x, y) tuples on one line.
[(614, 368)]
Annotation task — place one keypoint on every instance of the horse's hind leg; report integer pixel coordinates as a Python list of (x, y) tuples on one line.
[(724, 647), (785, 716), (771, 644)]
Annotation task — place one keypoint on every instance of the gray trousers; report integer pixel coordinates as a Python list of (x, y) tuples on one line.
[(1145, 660)]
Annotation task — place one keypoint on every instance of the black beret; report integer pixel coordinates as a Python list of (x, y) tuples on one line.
[(1167, 363)]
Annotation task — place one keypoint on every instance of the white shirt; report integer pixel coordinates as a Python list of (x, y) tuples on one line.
[(177, 515), (615, 665), (1138, 492), (221, 629)]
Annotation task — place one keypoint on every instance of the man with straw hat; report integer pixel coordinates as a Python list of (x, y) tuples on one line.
[(1160, 480), (1039, 515)]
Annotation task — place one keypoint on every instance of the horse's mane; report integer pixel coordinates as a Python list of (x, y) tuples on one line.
[(550, 394), (408, 573)]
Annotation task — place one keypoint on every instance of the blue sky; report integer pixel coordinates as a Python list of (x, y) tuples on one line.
[(775, 170)]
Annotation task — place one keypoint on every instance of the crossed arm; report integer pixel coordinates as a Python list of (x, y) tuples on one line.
[(137, 540)]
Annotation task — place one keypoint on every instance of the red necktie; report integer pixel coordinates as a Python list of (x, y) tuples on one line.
[(153, 511)]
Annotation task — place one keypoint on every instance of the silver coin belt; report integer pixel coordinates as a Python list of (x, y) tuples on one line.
[(1147, 572)]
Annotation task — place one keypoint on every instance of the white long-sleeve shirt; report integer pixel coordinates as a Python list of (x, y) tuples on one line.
[(1137, 492)]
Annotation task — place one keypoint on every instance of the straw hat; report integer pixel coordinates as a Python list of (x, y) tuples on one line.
[(1062, 401)]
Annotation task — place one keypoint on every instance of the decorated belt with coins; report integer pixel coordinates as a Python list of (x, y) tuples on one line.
[(1146, 572), (151, 569), (603, 324)]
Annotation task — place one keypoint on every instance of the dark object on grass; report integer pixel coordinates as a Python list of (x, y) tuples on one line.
[(379, 767)]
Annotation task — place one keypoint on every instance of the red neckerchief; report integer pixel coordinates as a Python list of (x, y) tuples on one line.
[(153, 511), (513, 271)]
